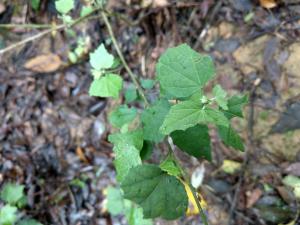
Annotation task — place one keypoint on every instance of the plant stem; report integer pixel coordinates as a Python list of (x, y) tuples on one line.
[(132, 76), (185, 177), (43, 33), (31, 26)]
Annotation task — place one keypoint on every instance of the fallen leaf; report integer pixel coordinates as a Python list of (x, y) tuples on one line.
[(45, 63), (80, 154), (230, 166), (253, 197), (197, 176), (268, 4), (293, 169)]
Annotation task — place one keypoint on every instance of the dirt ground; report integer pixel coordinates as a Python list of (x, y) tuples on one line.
[(52, 133)]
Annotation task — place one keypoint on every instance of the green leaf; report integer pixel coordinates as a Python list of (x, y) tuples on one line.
[(134, 138), (64, 6), (35, 4), (235, 105), (220, 96), (152, 119), (130, 95), (12, 193), (100, 59), (115, 201), (134, 214), (147, 83), (86, 10), (230, 137), (170, 166), (8, 215), (182, 71), (158, 193), (194, 141), (127, 151), (189, 113), (122, 115), (29, 222), (107, 86)]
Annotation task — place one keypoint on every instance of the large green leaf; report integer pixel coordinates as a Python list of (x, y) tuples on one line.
[(194, 141), (64, 6), (12, 193), (182, 71), (115, 204), (134, 214), (230, 137), (100, 59), (220, 96), (106, 86), (122, 115), (127, 148), (152, 119), (189, 113), (235, 106), (158, 193)]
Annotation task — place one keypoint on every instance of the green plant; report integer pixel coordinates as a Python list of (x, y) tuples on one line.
[(180, 115), (14, 198), (182, 74)]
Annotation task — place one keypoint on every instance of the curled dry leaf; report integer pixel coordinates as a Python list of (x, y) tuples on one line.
[(253, 197), (45, 63), (268, 4)]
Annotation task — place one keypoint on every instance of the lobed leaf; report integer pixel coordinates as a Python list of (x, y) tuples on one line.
[(235, 105), (12, 193), (100, 59), (230, 137), (8, 215), (220, 96), (181, 71), (107, 86)]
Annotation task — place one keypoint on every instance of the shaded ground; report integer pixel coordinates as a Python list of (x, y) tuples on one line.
[(52, 134)]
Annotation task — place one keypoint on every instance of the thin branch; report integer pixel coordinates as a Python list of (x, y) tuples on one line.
[(43, 33), (30, 26), (132, 76)]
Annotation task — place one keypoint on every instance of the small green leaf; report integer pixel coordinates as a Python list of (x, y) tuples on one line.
[(107, 86), (134, 214), (152, 119), (29, 222), (158, 193), (100, 59), (130, 95), (86, 10), (230, 137), (147, 83), (122, 115), (12, 193), (64, 6), (189, 113), (35, 4), (8, 215), (134, 138), (235, 105), (220, 96), (182, 71), (115, 201), (127, 148), (194, 141), (170, 166)]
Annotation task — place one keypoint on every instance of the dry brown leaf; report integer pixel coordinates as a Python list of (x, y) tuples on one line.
[(268, 4), (44, 63), (81, 155), (253, 197)]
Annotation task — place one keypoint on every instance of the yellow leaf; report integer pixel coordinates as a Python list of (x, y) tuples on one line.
[(230, 166), (192, 208)]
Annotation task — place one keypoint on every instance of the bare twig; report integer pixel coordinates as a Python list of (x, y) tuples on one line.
[(30, 26)]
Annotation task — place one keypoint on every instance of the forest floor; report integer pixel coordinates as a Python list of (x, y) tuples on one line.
[(53, 135)]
